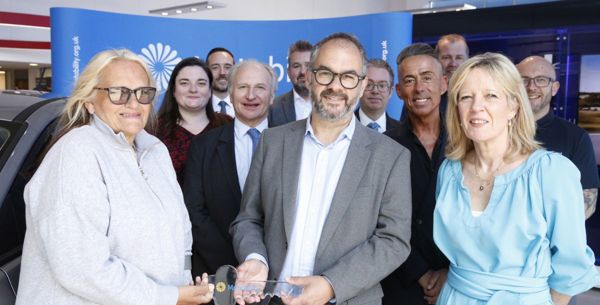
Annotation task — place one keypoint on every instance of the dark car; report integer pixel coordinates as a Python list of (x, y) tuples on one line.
[(27, 123)]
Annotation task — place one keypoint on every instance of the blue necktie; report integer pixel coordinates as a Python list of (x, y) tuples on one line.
[(223, 105), (255, 136), (374, 126)]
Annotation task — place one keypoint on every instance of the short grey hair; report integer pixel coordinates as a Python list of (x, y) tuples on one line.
[(340, 36), (236, 68)]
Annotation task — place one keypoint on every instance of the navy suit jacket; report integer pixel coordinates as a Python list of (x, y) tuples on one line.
[(282, 111)]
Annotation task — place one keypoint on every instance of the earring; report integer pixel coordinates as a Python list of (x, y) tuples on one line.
[(509, 122)]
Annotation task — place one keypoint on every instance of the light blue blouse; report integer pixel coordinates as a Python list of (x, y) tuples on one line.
[(531, 237)]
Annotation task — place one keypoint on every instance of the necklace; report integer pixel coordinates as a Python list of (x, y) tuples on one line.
[(486, 182)]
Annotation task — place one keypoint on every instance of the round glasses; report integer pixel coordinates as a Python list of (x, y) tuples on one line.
[(538, 81), (348, 80), (120, 95)]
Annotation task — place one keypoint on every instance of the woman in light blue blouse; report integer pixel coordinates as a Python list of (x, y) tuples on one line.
[(509, 215)]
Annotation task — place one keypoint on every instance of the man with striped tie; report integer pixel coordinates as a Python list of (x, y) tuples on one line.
[(218, 164), (377, 94)]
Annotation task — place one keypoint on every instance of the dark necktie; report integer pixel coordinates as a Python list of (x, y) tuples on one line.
[(374, 126), (255, 136), (223, 105)]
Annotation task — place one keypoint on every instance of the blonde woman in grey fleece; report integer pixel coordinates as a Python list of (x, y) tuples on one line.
[(106, 222)]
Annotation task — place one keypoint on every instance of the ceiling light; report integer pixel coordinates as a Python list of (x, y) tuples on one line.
[(439, 9), (187, 8), (33, 64), (2, 72)]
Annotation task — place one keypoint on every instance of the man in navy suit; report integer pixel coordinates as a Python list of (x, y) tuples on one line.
[(218, 164), (376, 97), (296, 104)]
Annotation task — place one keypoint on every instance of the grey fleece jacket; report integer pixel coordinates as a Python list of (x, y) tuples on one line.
[(101, 227)]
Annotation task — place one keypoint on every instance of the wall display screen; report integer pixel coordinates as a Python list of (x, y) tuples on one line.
[(589, 93)]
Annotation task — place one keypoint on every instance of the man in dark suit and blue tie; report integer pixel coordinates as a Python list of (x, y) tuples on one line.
[(296, 104), (378, 92), (327, 203), (218, 164)]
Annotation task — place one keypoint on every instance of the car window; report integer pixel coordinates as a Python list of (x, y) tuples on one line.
[(4, 135), (12, 209)]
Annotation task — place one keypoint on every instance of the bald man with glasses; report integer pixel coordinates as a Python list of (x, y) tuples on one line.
[(556, 134)]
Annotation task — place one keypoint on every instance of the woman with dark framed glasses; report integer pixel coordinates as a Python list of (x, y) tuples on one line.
[(186, 110), (106, 222)]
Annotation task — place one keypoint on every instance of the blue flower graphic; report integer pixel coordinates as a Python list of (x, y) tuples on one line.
[(161, 60)]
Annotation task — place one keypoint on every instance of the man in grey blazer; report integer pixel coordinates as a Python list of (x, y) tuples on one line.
[(327, 203), (294, 105)]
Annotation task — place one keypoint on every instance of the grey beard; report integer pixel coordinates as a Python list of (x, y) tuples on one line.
[(319, 108)]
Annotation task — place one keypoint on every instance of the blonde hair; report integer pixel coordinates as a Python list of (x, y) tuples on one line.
[(521, 128), (75, 114)]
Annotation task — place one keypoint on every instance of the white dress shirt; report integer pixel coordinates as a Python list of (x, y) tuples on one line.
[(302, 107), (365, 120), (243, 148), (228, 107), (320, 170)]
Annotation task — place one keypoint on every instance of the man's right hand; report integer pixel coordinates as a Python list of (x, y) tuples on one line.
[(432, 282), (251, 272)]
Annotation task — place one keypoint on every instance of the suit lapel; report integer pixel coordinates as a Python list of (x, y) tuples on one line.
[(292, 157), (226, 151), (352, 173)]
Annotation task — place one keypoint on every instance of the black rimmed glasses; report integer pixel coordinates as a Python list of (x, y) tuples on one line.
[(348, 80), (120, 95), (381, 86), (538, 81)]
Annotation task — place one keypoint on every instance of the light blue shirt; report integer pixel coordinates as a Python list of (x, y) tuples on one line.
[(302, 107), (320, 170), (531, 237), (365, 120), (243, 148)]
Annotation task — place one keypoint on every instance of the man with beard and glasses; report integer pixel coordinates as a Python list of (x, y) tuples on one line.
[(294, 105), (421, 84), (556, 134), (327, 201), (376, 97), (220, 61)]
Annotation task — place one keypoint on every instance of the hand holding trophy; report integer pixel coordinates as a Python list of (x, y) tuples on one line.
[(248, 284)]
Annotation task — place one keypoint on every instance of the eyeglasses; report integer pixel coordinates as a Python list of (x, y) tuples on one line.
[(120, 95), (538, 81), (381, 87), (348, 80)]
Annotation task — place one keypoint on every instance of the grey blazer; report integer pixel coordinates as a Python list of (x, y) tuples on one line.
[(282, 111), (367, 231)]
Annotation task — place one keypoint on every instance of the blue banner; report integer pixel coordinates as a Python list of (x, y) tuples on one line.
[(77, 35)]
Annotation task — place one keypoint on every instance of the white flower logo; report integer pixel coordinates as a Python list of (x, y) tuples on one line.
[(161, 60)]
